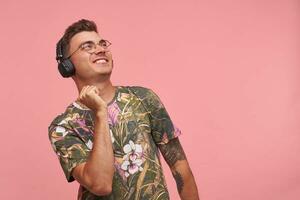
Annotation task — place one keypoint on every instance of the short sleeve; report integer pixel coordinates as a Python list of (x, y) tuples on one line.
[(162, 128), (69, 148)]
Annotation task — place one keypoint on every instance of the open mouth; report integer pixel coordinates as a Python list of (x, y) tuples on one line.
[(101, 60)]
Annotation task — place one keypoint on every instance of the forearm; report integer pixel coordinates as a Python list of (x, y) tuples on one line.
[(185, 181), (99, 166), (177, 161)]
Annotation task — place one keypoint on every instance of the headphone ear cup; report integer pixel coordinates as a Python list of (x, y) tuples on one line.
[(66, 68)]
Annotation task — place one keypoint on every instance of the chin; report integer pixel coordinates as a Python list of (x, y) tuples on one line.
[(107, 70)]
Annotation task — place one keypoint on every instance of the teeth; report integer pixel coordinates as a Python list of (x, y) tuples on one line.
[(101, 61)]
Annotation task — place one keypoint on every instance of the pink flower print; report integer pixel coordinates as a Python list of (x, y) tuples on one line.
[(120, 170), (81, 122), (113, 112), (132, 167), (177, 131), (132, 150), (133, 159)]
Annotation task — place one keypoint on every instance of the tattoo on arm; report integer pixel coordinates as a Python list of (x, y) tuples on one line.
[(179, 181), (172, 151)]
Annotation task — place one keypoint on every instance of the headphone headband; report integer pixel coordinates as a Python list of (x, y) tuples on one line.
[(59, 51)]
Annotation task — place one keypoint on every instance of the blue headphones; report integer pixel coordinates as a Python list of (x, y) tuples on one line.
[(65, 65)]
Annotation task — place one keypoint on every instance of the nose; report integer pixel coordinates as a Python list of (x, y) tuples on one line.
[(99, 49)]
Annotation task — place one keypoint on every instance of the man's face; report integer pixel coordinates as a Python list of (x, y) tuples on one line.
[(90, 65)]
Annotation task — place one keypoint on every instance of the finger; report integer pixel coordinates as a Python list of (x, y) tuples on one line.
[(91, 90), (83, 91), (97, 91)]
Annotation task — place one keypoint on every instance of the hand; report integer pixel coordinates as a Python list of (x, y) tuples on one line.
[(89, 96)]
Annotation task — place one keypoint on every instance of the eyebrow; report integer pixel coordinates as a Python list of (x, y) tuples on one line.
[(89, 41)]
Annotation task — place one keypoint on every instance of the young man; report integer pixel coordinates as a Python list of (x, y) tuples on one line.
[(108, 139)]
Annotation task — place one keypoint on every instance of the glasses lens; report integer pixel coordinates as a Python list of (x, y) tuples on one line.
[(89, 47), (104, 43)]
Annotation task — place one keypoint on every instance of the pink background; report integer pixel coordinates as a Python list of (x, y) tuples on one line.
[(227, 71)]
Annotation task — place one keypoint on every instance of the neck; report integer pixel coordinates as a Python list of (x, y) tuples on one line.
[(106, 89)]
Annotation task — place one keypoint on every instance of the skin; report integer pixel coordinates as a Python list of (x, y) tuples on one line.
[(89, 73), (95, 91), (175, 157)]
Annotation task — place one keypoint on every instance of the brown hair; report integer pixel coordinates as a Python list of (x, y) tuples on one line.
[(73, 29)]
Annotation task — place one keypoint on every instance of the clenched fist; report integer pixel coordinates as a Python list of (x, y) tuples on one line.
[(89, 96)]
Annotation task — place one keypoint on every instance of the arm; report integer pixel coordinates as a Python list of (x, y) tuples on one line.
[(176, 159), (97, 172)]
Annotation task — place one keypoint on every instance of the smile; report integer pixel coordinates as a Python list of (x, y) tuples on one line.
[(101, 60)]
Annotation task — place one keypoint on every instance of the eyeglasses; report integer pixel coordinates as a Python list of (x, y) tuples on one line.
[(91, 46)]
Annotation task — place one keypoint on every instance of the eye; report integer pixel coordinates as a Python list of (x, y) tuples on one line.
[(103, 43), (88, 46)]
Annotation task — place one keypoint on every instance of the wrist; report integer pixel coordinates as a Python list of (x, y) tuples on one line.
[(101, 113)]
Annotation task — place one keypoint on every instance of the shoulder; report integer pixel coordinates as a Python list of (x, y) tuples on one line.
[(147, 96), (142, 91), (62, 120)]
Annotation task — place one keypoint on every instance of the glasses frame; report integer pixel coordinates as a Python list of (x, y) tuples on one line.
[(81, 46)]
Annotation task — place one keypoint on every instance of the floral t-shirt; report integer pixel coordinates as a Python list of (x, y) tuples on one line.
[(138, 121)]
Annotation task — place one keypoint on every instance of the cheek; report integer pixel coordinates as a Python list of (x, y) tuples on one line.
[(109, 54), (81, 62)]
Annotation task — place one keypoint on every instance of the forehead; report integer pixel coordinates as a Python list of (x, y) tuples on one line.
[(83, 36)]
